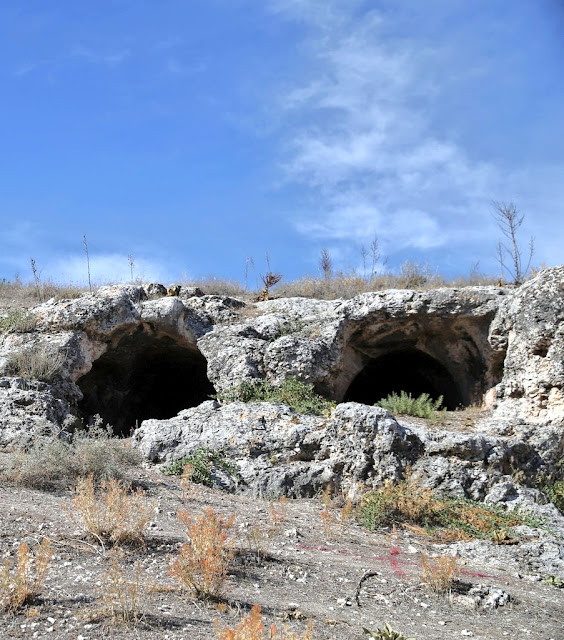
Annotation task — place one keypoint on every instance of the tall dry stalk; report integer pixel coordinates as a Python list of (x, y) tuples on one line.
[(85, 243), (21, 582), (37, 279)]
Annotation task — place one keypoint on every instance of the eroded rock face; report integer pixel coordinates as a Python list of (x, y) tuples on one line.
[(530, 324), (278, 452), (136, 355), (28, 408)]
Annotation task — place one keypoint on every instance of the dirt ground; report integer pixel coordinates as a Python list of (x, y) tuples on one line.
[(295, 564)]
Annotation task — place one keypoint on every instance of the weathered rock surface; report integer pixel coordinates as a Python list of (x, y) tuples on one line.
[(529, 325), (144, 357), (279, 452), (28, 408)]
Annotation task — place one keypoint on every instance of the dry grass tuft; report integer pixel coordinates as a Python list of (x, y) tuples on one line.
[(121, 593), (252, 627), (49, 461), (278, 514), (36, 363), (201, 565), (22, 581), (113, 515), (439, 573), (17, 321)]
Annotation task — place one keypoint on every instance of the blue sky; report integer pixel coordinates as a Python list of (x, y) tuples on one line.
[(197, 135)]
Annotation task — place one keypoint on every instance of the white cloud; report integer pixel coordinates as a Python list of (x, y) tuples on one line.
[(110, 58), (104, 268), (364, 143)]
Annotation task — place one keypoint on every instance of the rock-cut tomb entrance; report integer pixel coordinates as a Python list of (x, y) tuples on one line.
[(144, 374), (439, 356)]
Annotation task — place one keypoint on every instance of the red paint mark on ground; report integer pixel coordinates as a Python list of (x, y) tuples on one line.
[(391, 559)]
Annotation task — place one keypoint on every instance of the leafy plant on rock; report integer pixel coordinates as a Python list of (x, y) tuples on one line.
[(422, 406), (299, 396), (449, 518), (200, 463)]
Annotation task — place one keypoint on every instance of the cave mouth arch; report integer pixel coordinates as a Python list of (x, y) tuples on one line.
[(412, 371), (144, 375)]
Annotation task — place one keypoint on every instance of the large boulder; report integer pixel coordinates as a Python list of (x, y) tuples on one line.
[(278, 452)]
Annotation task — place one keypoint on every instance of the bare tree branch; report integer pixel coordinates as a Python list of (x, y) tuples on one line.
[(326, 264), (509, 221)]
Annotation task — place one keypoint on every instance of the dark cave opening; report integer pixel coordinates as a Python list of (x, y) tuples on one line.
[(144, 376), (412, 371)]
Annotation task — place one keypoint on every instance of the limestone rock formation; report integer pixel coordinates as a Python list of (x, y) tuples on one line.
[(28, 408), (279, 452), (142, 359)]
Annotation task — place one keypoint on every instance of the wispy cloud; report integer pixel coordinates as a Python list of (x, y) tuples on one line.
[(104, 268), (175, 66), (363, 139), (364, 142), (111, 58), (24, 69)]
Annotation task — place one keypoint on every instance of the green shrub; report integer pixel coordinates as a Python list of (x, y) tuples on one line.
[(35, 363), (298, 395), (201, 462), (423, 406), (385, 633), (555, 493), (50, 461), (452, 518)]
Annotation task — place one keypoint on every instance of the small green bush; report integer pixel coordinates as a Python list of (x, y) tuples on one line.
[(385, 633), (298, 395), (555, 493), (201, 462), (422, 407)]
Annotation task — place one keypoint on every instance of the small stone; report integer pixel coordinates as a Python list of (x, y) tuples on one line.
[(465, 632)]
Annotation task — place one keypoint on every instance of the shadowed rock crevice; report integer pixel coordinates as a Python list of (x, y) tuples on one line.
[(441, 356), (144, 375), (412, 371)]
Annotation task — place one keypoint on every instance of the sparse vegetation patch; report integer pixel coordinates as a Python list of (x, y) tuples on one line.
[(197, 467), (298, 395), (17, 321), (50, 461), (36, 363), (405, 503)]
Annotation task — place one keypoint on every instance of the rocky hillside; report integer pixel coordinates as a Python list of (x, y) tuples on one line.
[(174, 375)]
